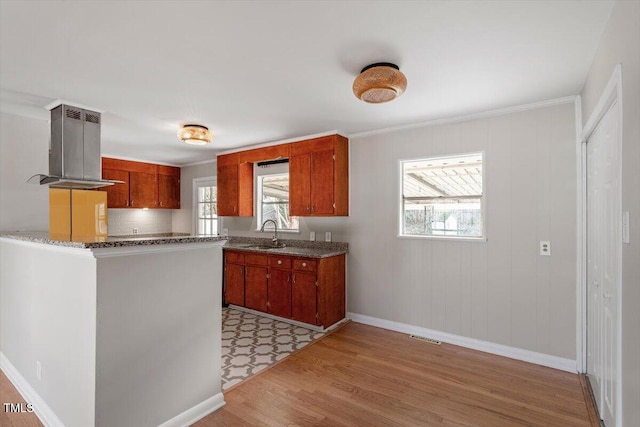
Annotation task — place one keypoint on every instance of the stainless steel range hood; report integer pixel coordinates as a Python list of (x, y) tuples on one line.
[(74, 151)]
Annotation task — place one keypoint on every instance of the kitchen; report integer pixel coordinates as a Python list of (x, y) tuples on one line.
[(498, 294)]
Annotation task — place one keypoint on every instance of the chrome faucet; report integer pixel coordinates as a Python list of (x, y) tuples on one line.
[(275, 235)]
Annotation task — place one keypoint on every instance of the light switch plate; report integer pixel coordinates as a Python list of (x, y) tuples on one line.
[(545, 248), (327, 236), (312, 236)]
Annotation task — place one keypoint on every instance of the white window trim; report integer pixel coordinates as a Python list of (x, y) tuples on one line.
[(400, 211), (258, 205), (198, 182)]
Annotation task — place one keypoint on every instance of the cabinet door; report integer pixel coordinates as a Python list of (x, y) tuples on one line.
[(304, 304), (143, 190), (228, 190), (322, 183), (169, 192), (280, 292), (300, 185), (234, 284), (255, 288), (117, 194)]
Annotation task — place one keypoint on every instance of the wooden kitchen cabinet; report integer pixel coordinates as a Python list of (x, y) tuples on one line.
[(168, 187), (146, 185), (319, 177), (235, 186), (117, 194), (256, 282), (308, 290), (234, 270)]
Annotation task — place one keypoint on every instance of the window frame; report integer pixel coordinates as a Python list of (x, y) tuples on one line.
[(208, 181), (258, 202), (448, 238)]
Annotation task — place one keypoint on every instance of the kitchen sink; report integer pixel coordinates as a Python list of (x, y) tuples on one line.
[(265, 247)]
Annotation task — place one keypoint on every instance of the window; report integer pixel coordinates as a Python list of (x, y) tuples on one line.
[(443, 196), (205, 206), (273, 199)]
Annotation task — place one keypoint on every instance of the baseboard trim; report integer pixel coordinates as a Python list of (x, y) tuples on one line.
[(547, 360), (201, 410), (41, 409)]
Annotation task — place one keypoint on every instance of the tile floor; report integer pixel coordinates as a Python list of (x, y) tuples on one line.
[(251, 343)]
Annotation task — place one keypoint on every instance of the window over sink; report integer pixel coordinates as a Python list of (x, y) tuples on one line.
[(273, 197)]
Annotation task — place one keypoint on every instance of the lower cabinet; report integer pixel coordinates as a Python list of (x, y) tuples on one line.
[(309, 290)]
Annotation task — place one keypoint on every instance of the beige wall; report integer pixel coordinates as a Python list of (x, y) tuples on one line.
[(500, 290), (24, 151), (620, 44)]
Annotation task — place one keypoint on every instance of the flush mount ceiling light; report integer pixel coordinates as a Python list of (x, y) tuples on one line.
[(194, 134), (379, 82)]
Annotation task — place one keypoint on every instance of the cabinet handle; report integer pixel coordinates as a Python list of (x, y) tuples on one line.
[(308, 209), (160, 203), (132, 203), (126, 203), (294, 278), (304, 264), (279, 261)]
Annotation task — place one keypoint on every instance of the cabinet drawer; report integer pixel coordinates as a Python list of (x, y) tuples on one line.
[(256, 259), (280, 262), (305, 265), (236, 257)]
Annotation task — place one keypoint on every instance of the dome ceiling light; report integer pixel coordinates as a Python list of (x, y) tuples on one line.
[(379, 82), (194, 134)]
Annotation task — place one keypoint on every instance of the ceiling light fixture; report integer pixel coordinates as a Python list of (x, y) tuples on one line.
[(194, 134), (379, 82)]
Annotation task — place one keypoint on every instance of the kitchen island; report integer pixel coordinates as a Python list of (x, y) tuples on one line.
[(115, 331)]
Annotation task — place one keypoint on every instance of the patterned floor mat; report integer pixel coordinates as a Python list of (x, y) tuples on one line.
[(251, 343)]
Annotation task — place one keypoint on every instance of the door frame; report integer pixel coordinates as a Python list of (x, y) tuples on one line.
[(612, 93)]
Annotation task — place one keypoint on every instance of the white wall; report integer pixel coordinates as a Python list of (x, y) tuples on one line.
[(500, 290), (620, 44), (24, 151), (48, 314)]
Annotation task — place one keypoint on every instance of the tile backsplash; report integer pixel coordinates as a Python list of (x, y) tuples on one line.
[(152, 221)]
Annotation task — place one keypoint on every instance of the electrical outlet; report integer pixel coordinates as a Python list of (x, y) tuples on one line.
[(312, 236), (545, 248), (327, 236), (135, 230), (225, 232), (39, 371)]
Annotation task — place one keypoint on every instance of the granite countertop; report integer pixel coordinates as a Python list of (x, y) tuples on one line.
[(292, 247), (110, 241)]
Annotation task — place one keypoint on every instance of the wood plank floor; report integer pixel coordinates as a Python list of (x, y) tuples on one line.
[(365, 376), (8, 394)]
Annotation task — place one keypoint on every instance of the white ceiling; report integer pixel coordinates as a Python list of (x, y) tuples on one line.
[(261, 71)]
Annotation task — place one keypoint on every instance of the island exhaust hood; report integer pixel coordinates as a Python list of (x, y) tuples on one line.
[(74, 150)]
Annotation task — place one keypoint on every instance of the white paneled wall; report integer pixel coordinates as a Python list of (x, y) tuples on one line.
[(151, 221), (499, 290)]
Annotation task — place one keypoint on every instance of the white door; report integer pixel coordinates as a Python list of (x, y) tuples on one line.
[(604, 241)]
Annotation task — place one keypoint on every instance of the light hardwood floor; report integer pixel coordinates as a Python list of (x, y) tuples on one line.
[(365, 376), (8, 394)]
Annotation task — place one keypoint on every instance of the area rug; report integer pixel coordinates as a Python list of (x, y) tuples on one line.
[(250, 343)]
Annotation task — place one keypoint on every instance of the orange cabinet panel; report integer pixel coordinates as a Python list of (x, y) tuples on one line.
[(227, 190), (168, 191)]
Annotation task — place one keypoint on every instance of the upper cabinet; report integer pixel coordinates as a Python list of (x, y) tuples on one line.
[(318, 177), (146, 185), (168, 187), (235, 186)]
